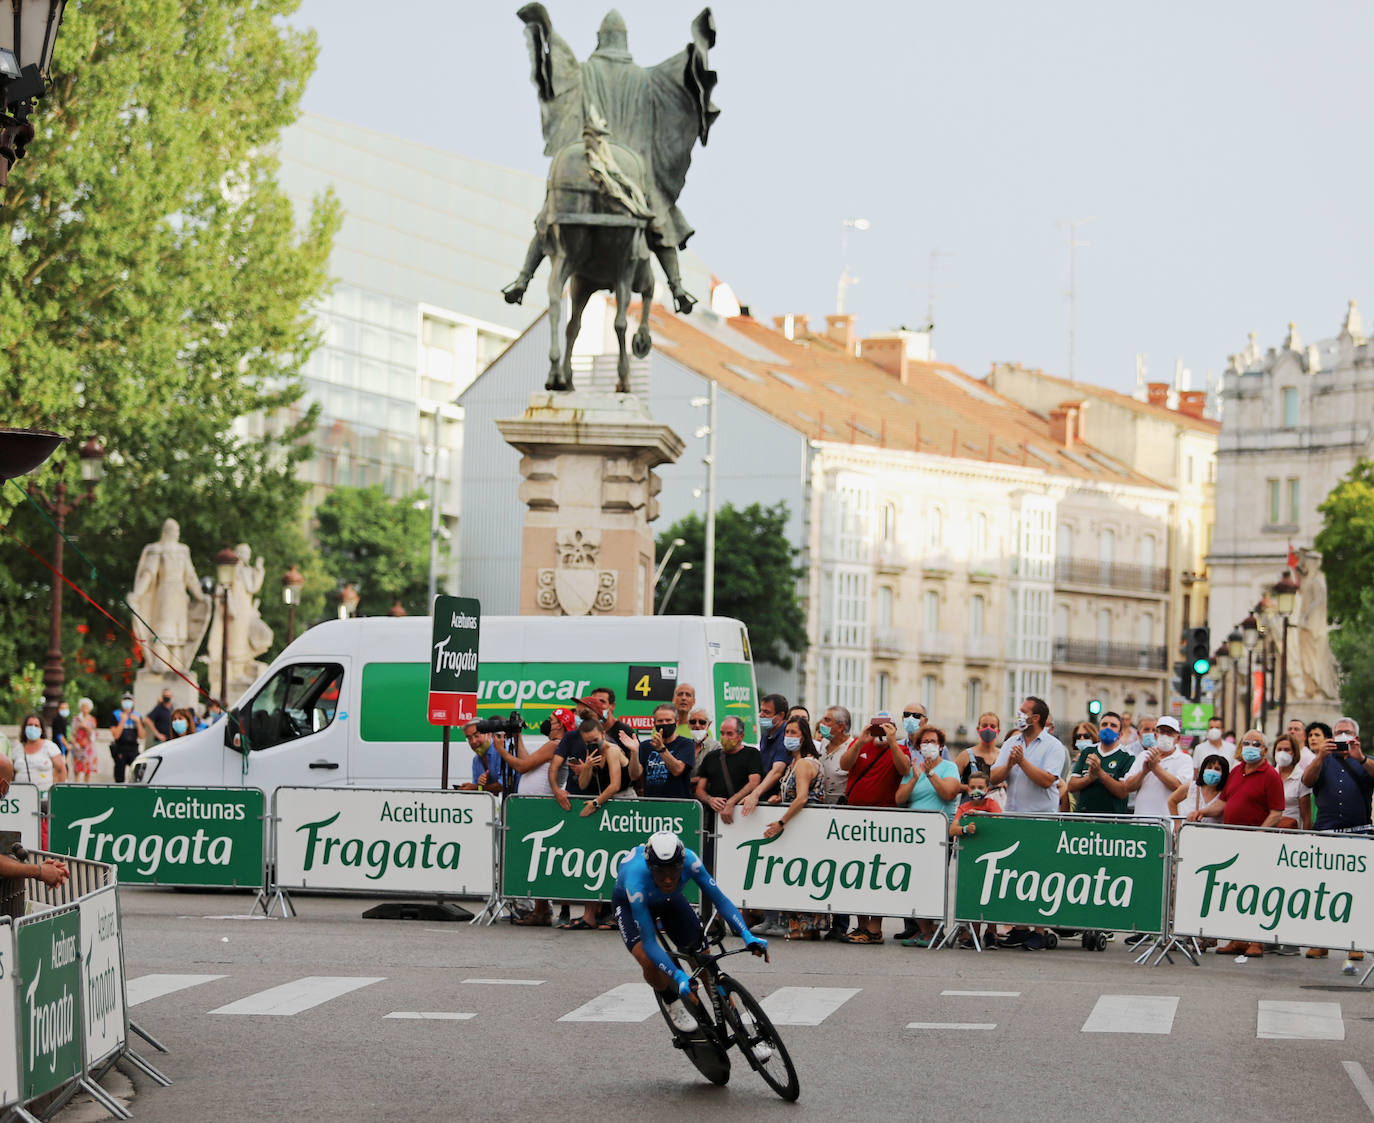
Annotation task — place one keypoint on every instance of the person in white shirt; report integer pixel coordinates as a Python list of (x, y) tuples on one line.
[(1032, 762), (1206, 746), (1159, 772)]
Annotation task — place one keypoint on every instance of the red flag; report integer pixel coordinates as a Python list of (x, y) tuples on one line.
[(1292, 557)]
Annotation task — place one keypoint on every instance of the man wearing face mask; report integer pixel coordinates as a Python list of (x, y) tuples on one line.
[(126, 736), (1100, 769), (728, 773), (666, 758), (1341, 777), (1209, 744), (1031, 762), (1160, 771), (772, 726), (913, 721), (160, 717)]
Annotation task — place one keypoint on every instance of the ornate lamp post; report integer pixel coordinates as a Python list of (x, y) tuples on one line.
[(1250, 633), (1285, 598), (225, 562), (1222, 661), (348, 601), (92, 457), (291, 585), (1235, 647), (27, 39)]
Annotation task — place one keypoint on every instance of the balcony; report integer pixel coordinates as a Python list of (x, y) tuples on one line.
[(891, 557), (937, 646), (937, 563), (1118, 576), (985, 569), (889, 643), (1119, 656), (981, 649)]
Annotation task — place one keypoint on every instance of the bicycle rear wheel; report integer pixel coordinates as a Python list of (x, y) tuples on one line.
[(758, 1040), (702, 1050)]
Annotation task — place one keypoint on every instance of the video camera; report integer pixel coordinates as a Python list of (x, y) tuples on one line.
[(510, 726)]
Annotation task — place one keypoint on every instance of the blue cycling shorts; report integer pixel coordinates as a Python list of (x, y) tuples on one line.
[(675, 916)]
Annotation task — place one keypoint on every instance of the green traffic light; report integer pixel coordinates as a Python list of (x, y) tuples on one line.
[(1201, 666), (1094, 707)]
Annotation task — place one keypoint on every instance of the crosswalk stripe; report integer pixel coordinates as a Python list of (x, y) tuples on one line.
[(1360, 1079), (1132, 1013), (147, 987), (980, 993), (430, 1016), (507, 982), (298, 995), (629, 1002), (805, 1006), (1305, 1021), (951, 1025)]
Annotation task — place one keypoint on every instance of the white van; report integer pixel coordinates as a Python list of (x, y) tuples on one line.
[(345, 704)]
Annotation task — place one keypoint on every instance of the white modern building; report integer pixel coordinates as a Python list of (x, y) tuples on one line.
[(925, 505)]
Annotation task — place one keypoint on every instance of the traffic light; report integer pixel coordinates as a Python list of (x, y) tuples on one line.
[(1198, 649), (1095, 709), (1183, 681)]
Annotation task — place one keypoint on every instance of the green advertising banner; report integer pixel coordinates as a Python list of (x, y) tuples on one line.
[(164, 836), (49, 1000), (735, 697), (398, 694), (1194, 716), (1067, 872), (549, 853), (457, 623)]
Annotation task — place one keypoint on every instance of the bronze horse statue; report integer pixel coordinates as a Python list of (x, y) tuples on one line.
[(612, 194)]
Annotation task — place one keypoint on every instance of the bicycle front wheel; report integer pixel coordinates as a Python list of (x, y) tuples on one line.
[(702, 1050), (758, 1040)]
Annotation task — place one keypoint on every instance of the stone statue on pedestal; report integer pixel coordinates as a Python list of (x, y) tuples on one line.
[(620, 137), (1312, 672), (171, 612), (249, 636)]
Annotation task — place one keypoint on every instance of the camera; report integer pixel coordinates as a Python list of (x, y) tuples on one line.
[(510, 726)]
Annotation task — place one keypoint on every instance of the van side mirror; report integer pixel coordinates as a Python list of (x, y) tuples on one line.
[(233, 738)]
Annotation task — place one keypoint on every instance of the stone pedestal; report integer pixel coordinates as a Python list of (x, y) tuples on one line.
[(150, 683), (589, 490)]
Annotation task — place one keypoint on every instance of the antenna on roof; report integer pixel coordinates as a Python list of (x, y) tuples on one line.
[(1074, 243), (846, 277)]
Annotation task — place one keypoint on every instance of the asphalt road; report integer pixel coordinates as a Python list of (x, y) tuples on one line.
[(1079, 1034)]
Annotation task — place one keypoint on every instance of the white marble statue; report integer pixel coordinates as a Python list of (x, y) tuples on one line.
[(171, 611), (1312, 670), (249, 636)]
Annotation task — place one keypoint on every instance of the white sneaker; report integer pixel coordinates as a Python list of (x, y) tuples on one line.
[(681, 1017)]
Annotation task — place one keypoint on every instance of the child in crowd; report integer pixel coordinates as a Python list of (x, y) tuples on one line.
[(977, 803)]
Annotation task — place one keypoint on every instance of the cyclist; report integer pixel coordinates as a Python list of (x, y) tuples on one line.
[(648, 888)]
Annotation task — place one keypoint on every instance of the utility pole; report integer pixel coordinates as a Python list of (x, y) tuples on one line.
[(708, 606)]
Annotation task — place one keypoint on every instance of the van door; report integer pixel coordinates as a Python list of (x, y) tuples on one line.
[(294, 729)]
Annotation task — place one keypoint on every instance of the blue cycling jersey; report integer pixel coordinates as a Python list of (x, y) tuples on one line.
[(635, 882)]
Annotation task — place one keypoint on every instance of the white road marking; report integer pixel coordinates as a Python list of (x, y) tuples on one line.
[(1304, 1021), (951, 1025), (1362, 1083), (1132, 1013), (431, 1016), (981, 993), (302, 994), (507, 982), (629, 1002), (147, 987), (805, 1006)]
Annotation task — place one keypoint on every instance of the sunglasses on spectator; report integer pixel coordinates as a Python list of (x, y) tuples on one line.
[(912, 713), (698, 723), (1251, 745)]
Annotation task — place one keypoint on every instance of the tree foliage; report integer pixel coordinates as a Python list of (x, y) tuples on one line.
[(157, 294), (1346, 541), (756, 577), (1353, 646), (381, 545)]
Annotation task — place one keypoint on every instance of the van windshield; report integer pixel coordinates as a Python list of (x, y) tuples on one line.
[(297, 701)]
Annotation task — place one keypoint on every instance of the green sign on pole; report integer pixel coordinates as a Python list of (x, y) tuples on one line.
[(163, 836), (735, 697), (1195, 716), (49, 1001), (1063, 873), (561, 855), (453, 660)]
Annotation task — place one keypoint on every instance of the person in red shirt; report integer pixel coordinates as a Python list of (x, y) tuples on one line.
[(1253, 797), (876, 763), (977, 803)]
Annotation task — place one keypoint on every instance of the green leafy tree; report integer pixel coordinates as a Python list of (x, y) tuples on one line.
[(1353, 646), (1346, 541), (157, 293), (756, 577), (381, 545)]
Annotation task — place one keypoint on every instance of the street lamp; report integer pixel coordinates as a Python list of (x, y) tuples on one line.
[(225, 561), (662, 565), (291, 585), (27, 40), (92, 457), (348, 601), (682, 568), (1249, 634), (1221, 660), (1285, 599), (1235, 645)]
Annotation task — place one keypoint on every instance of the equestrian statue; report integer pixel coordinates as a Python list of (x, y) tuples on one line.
[(620, 137)]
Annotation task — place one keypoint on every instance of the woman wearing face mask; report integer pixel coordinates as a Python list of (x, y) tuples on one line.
[(38, 762), (183, 723), (982, 755), (931, 785), (83, 740), (801, 787), (1297, 808), (1213, 772)]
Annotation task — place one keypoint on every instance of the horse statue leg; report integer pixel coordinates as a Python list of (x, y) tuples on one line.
[(622, 319), (644, 285), (579, 292), (558, 265)]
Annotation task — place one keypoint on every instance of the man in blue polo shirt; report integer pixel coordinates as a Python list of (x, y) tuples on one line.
[(1341, 778)]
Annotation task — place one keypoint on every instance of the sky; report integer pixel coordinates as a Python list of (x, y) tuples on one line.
[(1216, 149)]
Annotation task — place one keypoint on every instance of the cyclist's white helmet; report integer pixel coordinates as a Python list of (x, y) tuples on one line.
[(664, 848)]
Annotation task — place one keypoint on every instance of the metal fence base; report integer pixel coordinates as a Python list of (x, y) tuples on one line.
[(1162, 945), (148, 1037), (20, 1113), (432, 911), (491, 911), (148, 1070), (278, 898), (103, 1098)]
